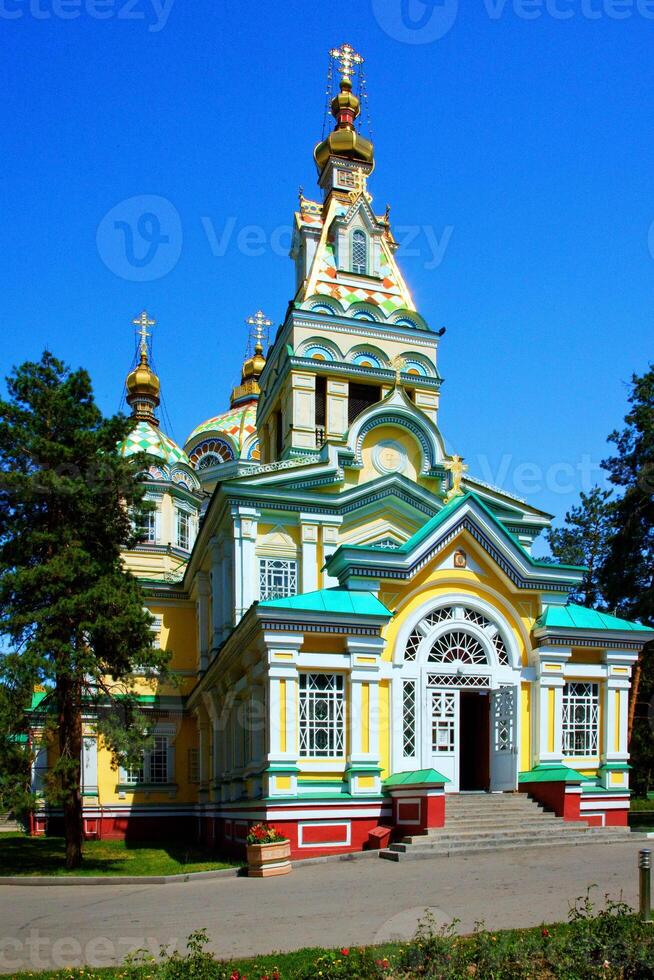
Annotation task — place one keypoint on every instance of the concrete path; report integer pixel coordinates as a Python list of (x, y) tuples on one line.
[(331, 904)]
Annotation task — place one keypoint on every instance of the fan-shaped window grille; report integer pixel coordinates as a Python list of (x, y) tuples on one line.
[(439, 616), (412, 645), (475, 617), (359, 253), (208, 460), (446, 614), (457, 647)]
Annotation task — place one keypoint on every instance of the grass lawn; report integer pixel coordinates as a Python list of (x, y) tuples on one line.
[(22, 855)]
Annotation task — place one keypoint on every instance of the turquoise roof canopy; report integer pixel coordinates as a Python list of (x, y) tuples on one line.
[(576, 617)]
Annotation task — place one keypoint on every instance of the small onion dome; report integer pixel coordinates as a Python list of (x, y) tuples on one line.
[(344, 141), (143, 390), (249, 389), (147, 438), (227, 437)]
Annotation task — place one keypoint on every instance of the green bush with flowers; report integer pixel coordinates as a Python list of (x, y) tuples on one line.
[(264, 833)]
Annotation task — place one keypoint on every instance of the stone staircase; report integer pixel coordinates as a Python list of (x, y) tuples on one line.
[(8, 824), (489, 822)]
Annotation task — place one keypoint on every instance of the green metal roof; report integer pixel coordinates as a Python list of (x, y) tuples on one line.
[(442, 516), (553, 774), (579, 618), (332, 601), (419, 777)]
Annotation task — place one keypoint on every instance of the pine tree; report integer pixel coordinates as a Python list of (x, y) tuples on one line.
[(628, 571), (74, 616), (584, 541)]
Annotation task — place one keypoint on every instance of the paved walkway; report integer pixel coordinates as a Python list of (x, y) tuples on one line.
[(332, 904)]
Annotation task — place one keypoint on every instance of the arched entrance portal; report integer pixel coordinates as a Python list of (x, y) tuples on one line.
[(456, 691)]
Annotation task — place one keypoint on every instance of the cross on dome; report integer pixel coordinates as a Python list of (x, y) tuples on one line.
[(143, 322), (259, 324), (347, 58)]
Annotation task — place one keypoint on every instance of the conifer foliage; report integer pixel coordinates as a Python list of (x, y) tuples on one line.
[(74, 617)]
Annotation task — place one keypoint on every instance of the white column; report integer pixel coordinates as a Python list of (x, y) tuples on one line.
[(203, 592), (226, 614), (552, 660), (282, 714), (246, 581), (216, 551), (329, 545), (363, 761), (614, 772), (309, 531), (90, 765)]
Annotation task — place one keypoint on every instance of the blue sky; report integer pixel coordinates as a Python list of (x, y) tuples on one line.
[(514, 143)]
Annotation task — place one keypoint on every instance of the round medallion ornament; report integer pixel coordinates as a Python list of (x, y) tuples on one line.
[(389, 457)]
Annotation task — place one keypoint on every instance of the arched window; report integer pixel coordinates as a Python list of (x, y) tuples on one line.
[(360, 253)]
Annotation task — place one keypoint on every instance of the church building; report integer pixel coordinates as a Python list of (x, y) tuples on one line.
[(358, 626)]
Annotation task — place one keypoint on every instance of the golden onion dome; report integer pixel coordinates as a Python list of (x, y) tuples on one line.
[(143, 390), (142, 379), (253, 366), (248, 389), (344, 141)]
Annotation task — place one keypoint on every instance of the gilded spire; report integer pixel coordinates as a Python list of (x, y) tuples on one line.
[(143, 386), (344, 141), (255, 362)]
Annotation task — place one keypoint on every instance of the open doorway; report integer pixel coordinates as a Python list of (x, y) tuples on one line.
[(474, 746)]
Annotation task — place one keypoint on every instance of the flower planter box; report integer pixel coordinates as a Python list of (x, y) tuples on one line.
[(269, 860)]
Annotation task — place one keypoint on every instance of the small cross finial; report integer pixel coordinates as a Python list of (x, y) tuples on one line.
[(457, 468), (399, 366), (347, 58), (143, 322), (259, 324)]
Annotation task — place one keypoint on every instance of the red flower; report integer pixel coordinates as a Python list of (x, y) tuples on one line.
[(545, 934), (345, 952)]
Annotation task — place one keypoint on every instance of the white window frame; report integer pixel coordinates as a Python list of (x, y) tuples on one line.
[(359, 237), (278, 578), (322, 715), (186, 515), (146, 774), (152, 517), (580, 719)]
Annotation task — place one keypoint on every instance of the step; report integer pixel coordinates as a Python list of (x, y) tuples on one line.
[(446, 836), (539, 819), (430, 853), (454, 841)]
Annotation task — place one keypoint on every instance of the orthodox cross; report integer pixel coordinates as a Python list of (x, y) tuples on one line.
[(457, 468), (143, 322), (347, 58), (399, 365), (259, 324)]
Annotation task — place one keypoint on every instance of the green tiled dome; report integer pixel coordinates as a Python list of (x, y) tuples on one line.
[(232, 435), (146, 438)]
